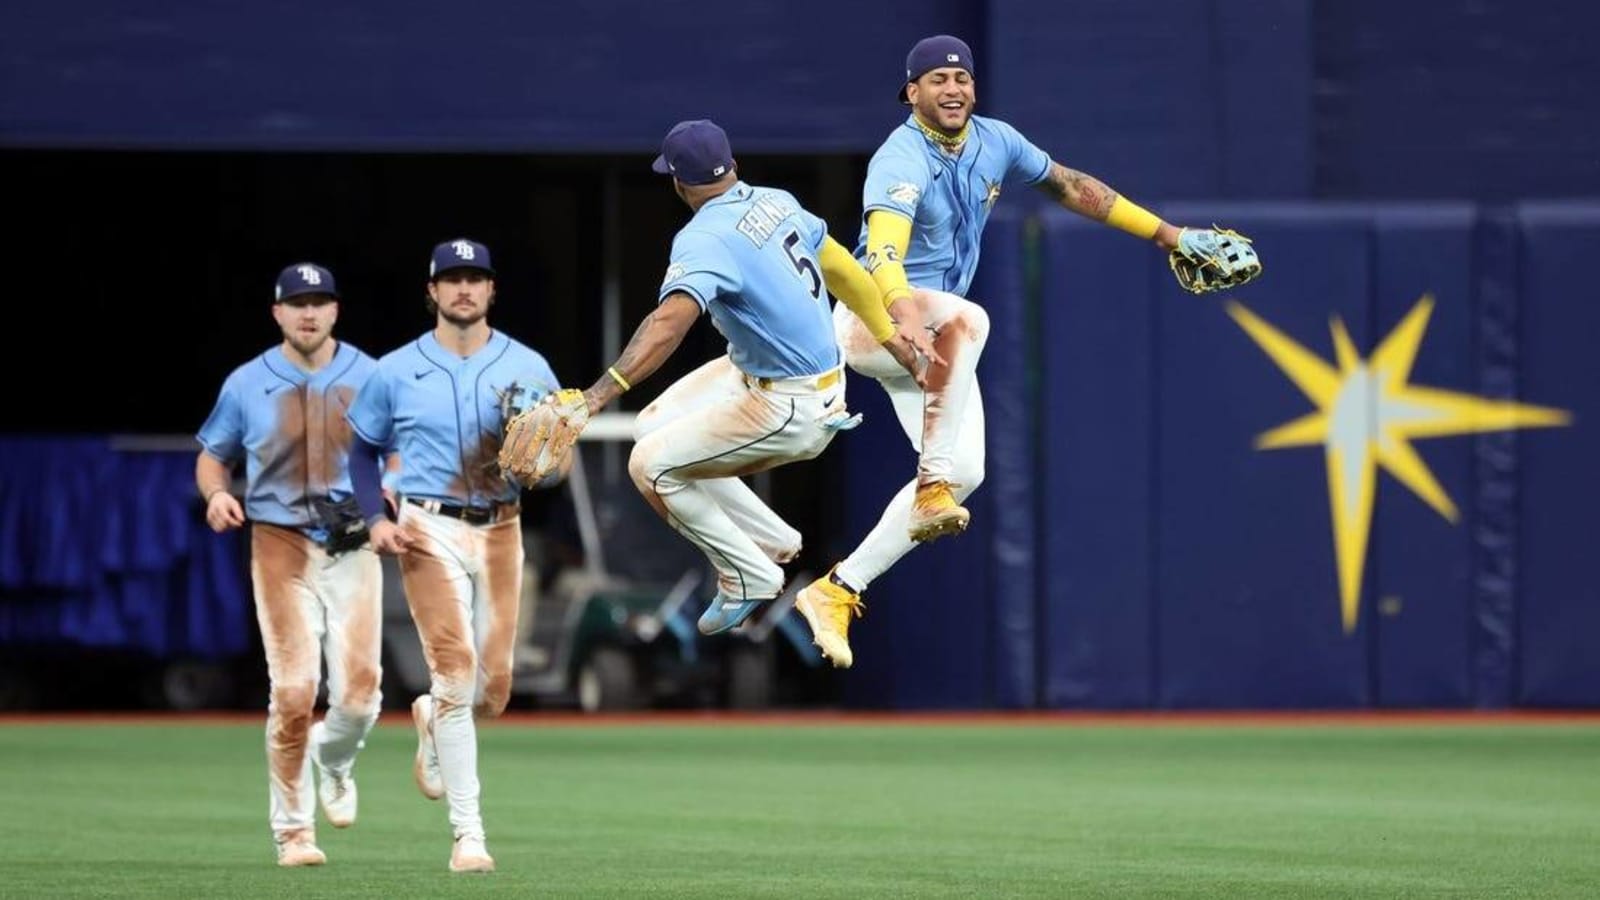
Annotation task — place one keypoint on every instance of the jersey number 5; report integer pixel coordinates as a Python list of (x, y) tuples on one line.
[(803, 263)]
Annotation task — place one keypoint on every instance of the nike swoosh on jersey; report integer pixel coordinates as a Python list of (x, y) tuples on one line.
[(829, 401), (418, 375)]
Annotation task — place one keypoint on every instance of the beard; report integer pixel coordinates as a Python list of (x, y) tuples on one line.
[(307, 346), (464, 320)]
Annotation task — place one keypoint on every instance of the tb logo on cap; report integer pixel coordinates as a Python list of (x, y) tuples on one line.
[(310, 275), (463, 249)]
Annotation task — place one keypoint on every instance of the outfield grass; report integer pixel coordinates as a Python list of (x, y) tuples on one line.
[(850, 811)]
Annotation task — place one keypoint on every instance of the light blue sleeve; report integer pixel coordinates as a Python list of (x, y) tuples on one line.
[(812, 228), (1027, 163), (701, 267), (896, 181), (371, 416), (364, 372), (222, 435)]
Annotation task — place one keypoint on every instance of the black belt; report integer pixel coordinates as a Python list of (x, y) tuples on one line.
[(472, 515)]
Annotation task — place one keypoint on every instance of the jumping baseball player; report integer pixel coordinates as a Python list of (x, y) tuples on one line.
[(929, 190), (318, 585), (443, 400), (762, 267)]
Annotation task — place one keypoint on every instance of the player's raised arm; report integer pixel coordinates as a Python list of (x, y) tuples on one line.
[(1202, 259), (1090, 197)]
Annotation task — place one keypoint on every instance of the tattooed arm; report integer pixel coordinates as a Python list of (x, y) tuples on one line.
[(1089, 197), (657, 337)]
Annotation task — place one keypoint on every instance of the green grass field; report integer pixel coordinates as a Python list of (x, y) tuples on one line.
[(172, 810)]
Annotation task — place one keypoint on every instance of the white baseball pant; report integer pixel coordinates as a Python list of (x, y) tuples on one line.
[(310, 605), (944, 423), (463, 584), (706, 431)]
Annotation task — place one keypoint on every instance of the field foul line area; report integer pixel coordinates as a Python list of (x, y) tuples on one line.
[(1042, 719)]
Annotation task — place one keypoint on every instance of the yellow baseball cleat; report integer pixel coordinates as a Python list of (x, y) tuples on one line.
[(827, 605), (936, 513)]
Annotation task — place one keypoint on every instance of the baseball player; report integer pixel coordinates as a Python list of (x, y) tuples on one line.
[(762, 267), (443, 400), (318, 585), (929, 190)]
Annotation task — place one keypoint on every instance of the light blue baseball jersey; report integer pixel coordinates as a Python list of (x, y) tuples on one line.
[(749, 257), (290, 429), (446, 415), (947, 198)]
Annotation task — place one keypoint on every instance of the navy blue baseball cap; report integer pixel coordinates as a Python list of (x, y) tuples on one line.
[(304, 278), (460, 253), (695, 152), (936, 52)]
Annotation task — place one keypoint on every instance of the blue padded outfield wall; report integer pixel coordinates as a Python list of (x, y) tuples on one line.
[(1153, 557)]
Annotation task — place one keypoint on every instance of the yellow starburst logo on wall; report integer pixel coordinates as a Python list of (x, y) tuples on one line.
[(1367, 415)]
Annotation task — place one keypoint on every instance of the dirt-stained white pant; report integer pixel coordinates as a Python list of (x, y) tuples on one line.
[(945, 423), (463, 584), (706, 431), (310, 605)]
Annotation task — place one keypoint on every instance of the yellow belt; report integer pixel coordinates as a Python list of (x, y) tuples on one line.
[(822, 383)]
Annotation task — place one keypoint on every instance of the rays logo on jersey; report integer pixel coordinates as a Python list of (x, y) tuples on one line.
[(991, 192), (674, 272), (513, 399), (904, 192)]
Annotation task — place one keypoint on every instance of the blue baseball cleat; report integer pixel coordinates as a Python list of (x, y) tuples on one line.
[(726, 613)]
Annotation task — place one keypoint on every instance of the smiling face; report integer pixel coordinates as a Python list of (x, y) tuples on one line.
[(307, 320), (944, 98), (462, 296)]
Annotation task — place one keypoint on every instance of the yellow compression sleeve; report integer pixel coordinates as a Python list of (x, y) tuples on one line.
[(888, 236), (851, 284), (1133, 218)]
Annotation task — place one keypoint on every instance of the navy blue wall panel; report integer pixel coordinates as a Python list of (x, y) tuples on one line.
[(1559, 590), (1457, 98), (1422, 563), (1262, 96), (1096, 484), (1008, 376), (1165, 99), (605, 75), (1248, 605)]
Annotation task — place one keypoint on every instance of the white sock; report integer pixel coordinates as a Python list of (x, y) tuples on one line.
[(884, 545), (455, 735)]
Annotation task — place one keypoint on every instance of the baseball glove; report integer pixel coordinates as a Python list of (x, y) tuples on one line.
[(1213, 259), (538, 439)]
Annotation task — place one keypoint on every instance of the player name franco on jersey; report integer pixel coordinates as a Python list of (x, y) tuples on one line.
[(764, 217)]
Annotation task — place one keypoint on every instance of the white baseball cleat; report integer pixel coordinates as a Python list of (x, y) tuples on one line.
[(299, 848), (336, 790), (470, 855), (426, 766)]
